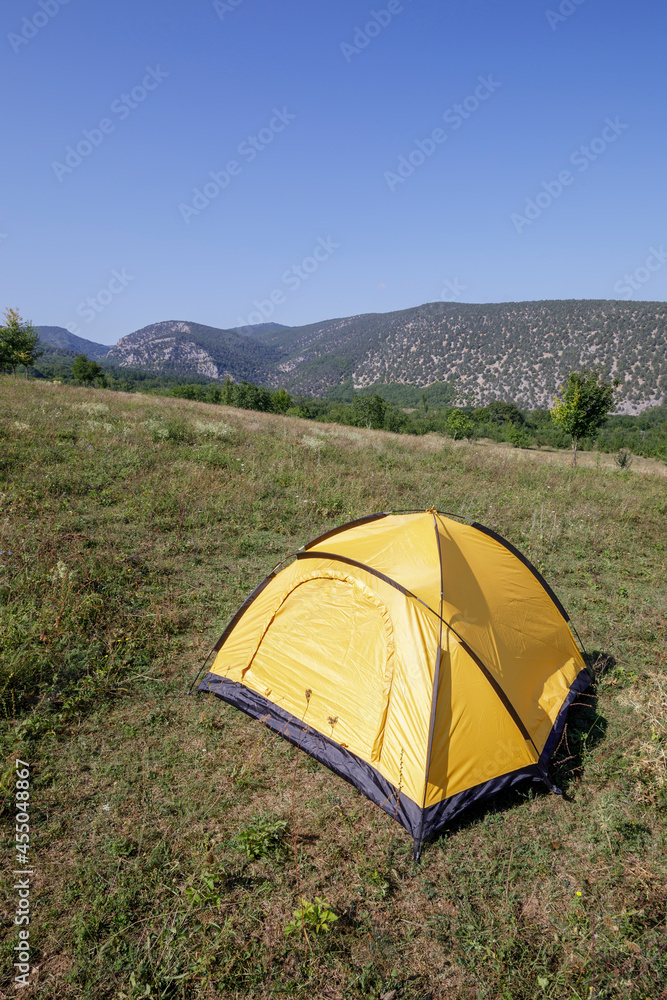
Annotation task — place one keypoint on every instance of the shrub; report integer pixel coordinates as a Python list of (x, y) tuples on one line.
[(623, 459)]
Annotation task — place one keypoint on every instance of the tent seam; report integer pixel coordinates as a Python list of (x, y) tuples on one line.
[(434, 695)]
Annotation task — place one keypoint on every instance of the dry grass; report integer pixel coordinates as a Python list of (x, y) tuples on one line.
[(585, 459), (131, 527)]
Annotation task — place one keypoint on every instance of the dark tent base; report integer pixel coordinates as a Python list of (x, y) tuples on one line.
[(420, 823)]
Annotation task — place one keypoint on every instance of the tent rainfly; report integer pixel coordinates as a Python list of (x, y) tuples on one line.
[(424, 660)]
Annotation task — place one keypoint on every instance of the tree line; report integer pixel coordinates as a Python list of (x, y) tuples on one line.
[(580, 416)]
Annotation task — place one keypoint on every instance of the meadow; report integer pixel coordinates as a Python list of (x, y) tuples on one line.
[(172, 838)]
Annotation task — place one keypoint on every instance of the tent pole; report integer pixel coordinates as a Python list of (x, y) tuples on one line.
[(199, 672)]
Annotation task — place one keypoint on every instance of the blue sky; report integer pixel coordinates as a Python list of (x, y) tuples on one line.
[(305, 111)]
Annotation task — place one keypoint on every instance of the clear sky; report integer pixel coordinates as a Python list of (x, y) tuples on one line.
[(367, 157)]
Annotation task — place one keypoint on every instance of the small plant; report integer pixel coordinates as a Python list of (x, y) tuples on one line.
[(244, 777), (623, 459), (317, 916), (380, 884), (178, 432), (205, 892), (262, 837)]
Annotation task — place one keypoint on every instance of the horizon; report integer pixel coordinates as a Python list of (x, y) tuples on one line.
[(241, 330), (234, 160)]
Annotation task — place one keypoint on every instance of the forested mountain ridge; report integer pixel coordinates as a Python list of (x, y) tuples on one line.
[(520, 351), (57, 339), (513, 351), (182, 348)]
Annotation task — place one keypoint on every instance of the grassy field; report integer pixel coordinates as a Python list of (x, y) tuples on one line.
[(172, 837)]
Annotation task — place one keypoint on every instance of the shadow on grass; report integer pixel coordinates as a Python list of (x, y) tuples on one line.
[(584, 729), (584, 726)]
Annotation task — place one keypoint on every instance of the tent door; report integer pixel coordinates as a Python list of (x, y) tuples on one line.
[(326, 656)]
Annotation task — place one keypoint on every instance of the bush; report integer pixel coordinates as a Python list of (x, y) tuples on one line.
[(459, 425), (623, 459)]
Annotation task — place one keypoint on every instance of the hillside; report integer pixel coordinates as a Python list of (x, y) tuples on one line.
[(176, 347), (259, 328), (172, 837), (56, 339), (518, 351)]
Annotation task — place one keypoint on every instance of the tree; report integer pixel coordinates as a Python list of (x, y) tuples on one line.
[(369, 411), (459, 424), (248, 396), (213, 394), (228, 396), (86, 371), (394, 420), (18, 343), (4, 355), (499, 412), (282, 401), (586, 399)]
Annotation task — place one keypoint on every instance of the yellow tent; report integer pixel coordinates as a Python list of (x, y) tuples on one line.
[(424, 660)]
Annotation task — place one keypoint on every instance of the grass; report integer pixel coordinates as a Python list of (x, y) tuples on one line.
[(173, 839)]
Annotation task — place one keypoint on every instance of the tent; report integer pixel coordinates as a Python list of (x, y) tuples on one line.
[(422, 659)]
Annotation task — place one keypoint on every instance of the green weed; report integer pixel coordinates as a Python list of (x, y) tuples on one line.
[(262, 838), (317, 917)]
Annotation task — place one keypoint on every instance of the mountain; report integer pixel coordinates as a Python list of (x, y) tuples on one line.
[(176, 347), (514, 351), (259, 328), (61, 339), (518, 351)]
